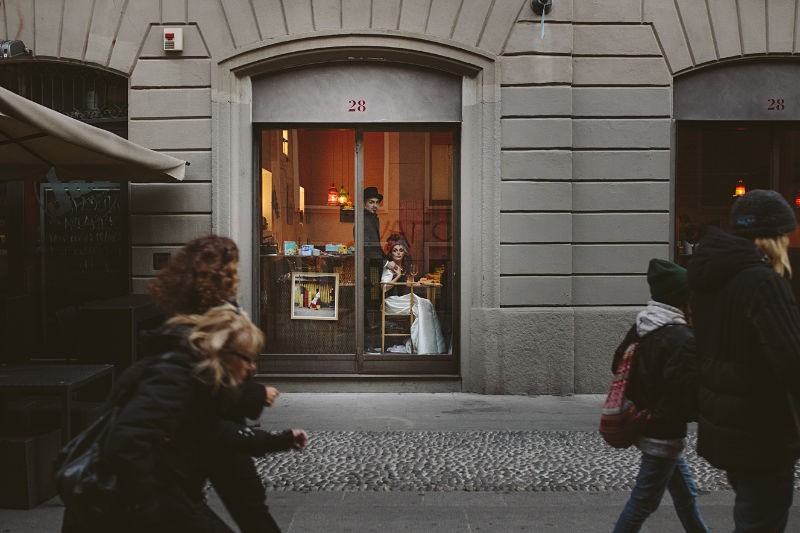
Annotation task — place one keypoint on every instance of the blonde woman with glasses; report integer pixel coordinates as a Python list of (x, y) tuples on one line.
[(747, 329)]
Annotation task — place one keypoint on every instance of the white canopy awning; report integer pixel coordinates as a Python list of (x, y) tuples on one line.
[(34, 139)]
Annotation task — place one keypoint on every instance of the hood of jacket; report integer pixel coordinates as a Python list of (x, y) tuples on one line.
[(718, 257), (657, 315)]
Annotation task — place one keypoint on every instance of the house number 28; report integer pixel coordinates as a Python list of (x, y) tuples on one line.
[(775, 104), (357, 106)]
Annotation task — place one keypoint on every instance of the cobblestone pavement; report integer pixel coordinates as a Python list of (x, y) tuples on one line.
[(490, 461)]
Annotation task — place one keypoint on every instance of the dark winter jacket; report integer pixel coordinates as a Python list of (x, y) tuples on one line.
[(664, 378), (168, 428), (372, 236), (747, 328)]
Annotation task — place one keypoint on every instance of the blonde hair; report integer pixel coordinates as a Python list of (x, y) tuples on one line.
[(220, 329), (776, 248)]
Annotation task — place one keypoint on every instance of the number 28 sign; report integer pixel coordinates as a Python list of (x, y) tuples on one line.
[(357, 106), (775, 104)]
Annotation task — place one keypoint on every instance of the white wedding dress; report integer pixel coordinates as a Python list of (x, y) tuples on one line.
[(426, 335)]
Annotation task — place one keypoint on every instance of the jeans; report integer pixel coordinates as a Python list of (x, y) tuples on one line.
[(656, 474), (763, 500)]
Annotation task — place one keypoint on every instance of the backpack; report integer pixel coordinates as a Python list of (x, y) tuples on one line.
[(622, 423)]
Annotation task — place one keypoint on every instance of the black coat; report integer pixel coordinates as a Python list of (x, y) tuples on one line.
[(664, 378), (167, 431), (748, 338), (372, 236)]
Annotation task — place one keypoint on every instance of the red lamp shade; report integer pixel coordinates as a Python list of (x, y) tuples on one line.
[(740, 189), (333, 195), (797, 200)]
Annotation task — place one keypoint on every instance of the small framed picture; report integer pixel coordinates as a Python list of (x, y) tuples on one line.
[(315, 296)]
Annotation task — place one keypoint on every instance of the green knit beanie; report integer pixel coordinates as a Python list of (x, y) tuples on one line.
[(669, 283)]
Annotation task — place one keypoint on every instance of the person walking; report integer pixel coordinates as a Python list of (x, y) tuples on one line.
[(663, 381), (748, 339)]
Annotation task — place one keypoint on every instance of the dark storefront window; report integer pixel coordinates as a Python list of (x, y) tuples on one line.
[(307, 269), (61, 245), (714, 158)]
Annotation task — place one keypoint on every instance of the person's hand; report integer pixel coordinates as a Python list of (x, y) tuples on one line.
[(271, 394), (392, 267), (300, 439)]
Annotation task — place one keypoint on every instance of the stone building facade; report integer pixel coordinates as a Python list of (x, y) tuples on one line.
[(566, 141)]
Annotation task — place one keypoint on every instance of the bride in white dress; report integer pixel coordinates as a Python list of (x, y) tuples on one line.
[(426, 334)]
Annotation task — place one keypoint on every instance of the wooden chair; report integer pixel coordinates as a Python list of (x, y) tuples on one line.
[(384, 314)]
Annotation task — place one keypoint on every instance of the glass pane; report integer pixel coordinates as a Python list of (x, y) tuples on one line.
[(712, 161), (307, 258), (408, 242), (788, 142)]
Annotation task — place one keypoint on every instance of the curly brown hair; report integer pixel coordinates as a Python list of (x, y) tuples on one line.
[(203, 274)]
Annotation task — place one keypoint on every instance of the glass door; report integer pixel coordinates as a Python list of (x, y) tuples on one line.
[(357, 262)]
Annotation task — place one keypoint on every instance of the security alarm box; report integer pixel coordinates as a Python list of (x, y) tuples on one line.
[(173, 39)]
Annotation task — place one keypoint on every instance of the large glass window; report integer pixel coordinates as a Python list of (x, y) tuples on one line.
[(718, 160), (318, 190)]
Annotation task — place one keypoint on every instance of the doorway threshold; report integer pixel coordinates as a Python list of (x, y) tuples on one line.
[(362, 382)]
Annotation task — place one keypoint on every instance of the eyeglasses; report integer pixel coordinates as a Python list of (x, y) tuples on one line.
[(243, 357)]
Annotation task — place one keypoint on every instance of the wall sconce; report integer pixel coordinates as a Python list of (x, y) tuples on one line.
[(740, 189), (541, 6), (12, 49)]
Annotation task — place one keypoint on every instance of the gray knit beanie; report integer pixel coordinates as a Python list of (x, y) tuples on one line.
[(762, 213)]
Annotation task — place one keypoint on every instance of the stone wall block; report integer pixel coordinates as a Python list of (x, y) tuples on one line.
[(620, 227), (269, 16), (610, 290), (299, 16), (47, 27), (170, 198), (621, 101), (537, 164), (102, 31), (470, 21), (210, 17), (199, 168), (168, 229), (602, 11), (526, 38), (621, 133), (414, 15), (20, 21), (172, 134), (193, 45), (75, 28), (442, 17), (501, 19), (669, 32), (725, 23), (753, 21), (142, 258), (780, 26), (536, 259), (137, 17), (536, 69), (698, 28), (536, 133), (3, 32), (615, 258), (385, 14), (356, 14), (598, 331), (535, 196), (172, 73), (620, 71), (173, 11), (535, 290), (535, 227), (616, 39), (621, 165), (533, 101), (327, 14), (242, 22), (150, 103), (621, 196)]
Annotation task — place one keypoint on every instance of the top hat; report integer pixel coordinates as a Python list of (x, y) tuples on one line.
[(372, 192)]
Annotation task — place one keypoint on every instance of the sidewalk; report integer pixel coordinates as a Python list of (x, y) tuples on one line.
[(545, 445)]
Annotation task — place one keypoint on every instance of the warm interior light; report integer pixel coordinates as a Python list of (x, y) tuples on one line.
[(302, 200), (285, 142), (342, 196), (740, 189), (333, 195), (797, 200)]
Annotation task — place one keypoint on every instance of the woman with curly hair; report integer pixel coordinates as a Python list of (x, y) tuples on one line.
[(204, 274), (171, 423)]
